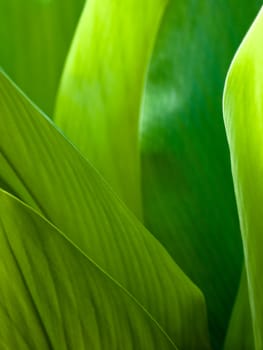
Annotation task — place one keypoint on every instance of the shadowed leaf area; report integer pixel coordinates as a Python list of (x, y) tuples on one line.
[(187, 186)]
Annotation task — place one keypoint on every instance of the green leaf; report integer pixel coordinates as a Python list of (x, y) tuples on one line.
[(240, 333), (47, 172), (243, 116), (60, 299), (34, 39), (100, 94), (187, 186)]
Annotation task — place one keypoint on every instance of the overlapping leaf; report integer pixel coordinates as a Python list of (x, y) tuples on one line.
[(57, 297), (46, 172), (240, 332), (99, 98), (243, 115), (34, 39), (188, 195)]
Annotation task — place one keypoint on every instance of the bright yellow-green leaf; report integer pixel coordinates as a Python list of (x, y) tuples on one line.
[(47, 172), (99, 98), (34, 39), (54, 297), (240, 332), (243, 115)]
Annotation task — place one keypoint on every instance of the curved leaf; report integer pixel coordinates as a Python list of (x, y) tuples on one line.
[(58, 298), (189, 202), (240, 333), (243, 116), (99, 98), (46, 172), (34, 39)]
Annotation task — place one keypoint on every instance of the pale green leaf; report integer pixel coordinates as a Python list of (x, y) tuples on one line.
[(34, 38), (47, 172), (243, 116), (54, 297), (100, 94)]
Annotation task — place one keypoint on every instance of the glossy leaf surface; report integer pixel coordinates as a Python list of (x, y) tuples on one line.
[(188, 194)]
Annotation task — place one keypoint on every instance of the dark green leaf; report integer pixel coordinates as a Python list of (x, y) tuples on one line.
[(188, 194)]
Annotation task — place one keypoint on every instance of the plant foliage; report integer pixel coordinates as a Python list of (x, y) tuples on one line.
[(119, 221)]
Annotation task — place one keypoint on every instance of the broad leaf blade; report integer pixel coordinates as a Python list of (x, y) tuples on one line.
[(189, 202), (57, 297), (45, 171), (99, 98), (243, 115), (34, 39)]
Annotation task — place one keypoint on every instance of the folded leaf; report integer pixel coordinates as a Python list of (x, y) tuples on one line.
[(46, 172), (60, 299), (99, 98), (187, 186), (34, 39), (243, 116)]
